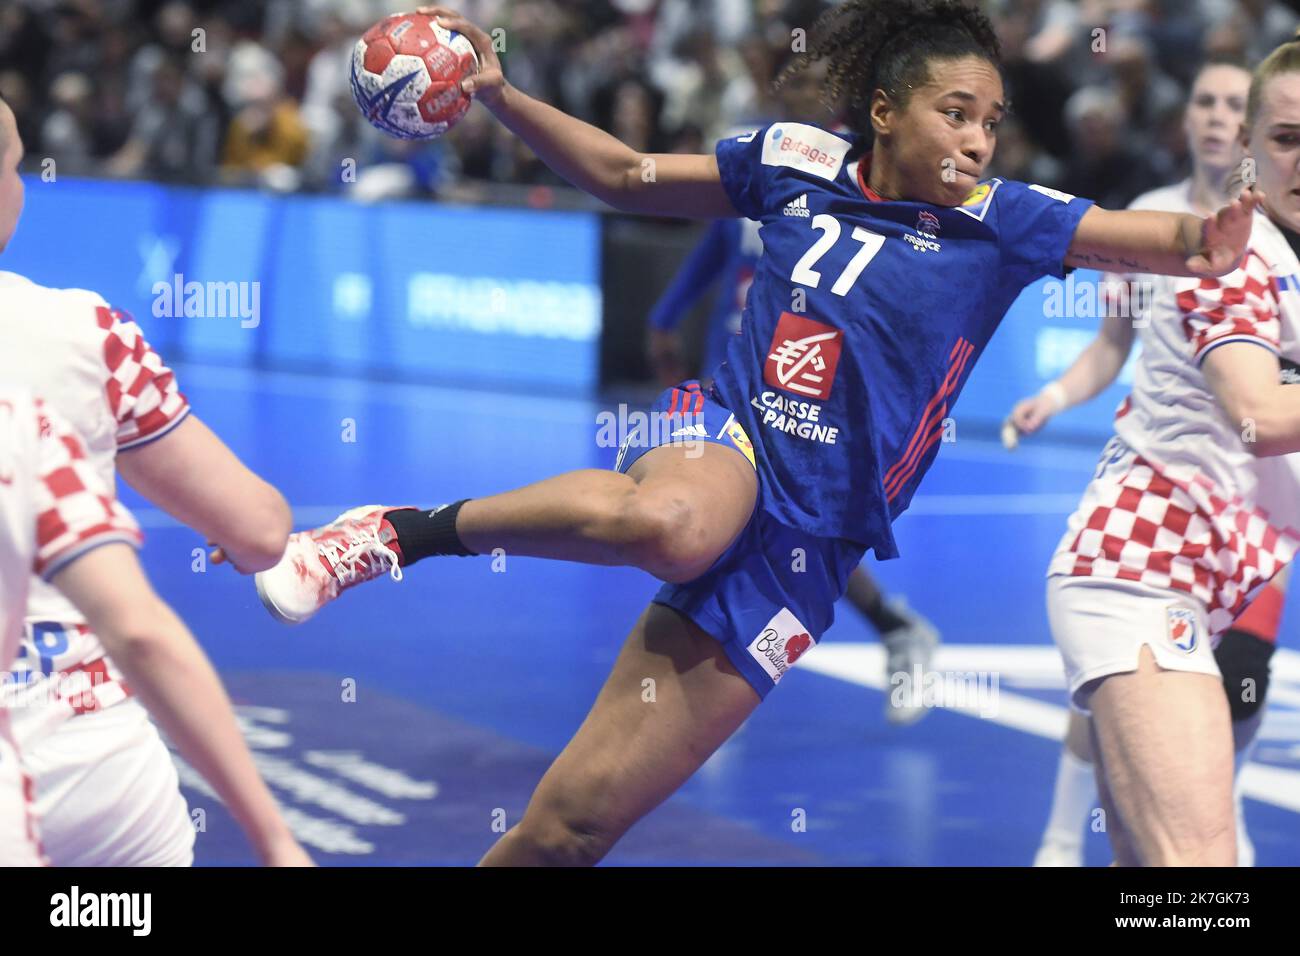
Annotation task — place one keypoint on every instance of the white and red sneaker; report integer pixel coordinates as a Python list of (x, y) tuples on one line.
[(319, 565)]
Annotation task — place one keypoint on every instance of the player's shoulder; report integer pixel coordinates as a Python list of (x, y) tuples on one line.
[(1171, 198), (56, 305), (802, 148), (1269, 243), (1269, 254)]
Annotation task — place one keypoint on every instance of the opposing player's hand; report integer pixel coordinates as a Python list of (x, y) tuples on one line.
[(1224, 236), (488, 85), (1031, 414)]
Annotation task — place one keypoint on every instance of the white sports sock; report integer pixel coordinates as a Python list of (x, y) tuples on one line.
[(1072, 801)]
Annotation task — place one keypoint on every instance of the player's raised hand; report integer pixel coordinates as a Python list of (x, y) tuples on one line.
[(488, 85), (1224, 236)]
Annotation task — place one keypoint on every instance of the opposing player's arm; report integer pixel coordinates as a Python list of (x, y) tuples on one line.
[(1177, 244), (174, 680), (1096, 367), (1100, 363), (84, 547), (663, 184), (1244, 378), (191, 474)]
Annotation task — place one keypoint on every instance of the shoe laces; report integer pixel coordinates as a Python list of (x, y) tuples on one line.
[(364, 557)]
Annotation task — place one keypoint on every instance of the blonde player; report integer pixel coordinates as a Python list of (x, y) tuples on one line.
[(59, 520), (1214, 112), (1192, 510), (105, 785)]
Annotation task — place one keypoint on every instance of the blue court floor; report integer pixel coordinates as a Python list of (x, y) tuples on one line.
[(408, 723)]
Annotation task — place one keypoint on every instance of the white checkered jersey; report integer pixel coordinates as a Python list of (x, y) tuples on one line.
[(54, 506), (92, 364), (1178, 500)]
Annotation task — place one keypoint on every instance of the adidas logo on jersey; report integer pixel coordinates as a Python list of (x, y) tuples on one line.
[(698, 431), (798, 207)]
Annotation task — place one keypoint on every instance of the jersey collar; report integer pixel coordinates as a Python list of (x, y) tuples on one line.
[(864, 168)]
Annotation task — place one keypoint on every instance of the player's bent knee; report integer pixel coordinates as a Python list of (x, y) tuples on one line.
[(565, 839), (667, 536)]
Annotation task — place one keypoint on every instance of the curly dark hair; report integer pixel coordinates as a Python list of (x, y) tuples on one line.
[(871, 45)]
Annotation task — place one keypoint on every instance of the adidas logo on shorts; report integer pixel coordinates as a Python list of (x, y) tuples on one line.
[(797, 207), (699, 431)]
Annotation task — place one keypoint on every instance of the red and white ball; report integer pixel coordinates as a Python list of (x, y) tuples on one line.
[(406, 73)]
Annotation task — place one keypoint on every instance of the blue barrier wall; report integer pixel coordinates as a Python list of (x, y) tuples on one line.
[(438, 293)]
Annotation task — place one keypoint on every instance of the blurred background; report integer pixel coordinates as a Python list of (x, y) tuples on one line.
[(233, 111), (434, 320)]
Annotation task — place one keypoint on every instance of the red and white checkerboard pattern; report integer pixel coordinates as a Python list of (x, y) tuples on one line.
[(92, 363), (1172, 528), (1241, 306), (74, 509), (142, 392)]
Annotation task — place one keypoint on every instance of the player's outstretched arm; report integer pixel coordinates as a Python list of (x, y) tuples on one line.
[(1244, 378), (191, 474), (172, 677), (1167, 243), (662, 184), (1095, 368)]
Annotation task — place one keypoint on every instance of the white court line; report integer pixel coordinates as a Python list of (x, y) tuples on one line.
[(864, 664), (1008, 504)]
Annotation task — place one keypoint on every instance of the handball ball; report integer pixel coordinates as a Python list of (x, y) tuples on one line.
[(406, 73)]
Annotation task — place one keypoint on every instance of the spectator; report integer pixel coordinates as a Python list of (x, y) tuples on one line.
[(267, 141), (1104, 164), (174, 135)]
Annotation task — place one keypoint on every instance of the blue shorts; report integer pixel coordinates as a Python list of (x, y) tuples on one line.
[(771, 595)]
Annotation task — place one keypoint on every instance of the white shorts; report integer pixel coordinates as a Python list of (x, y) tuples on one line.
[(19, 835), (1100, 625), (107, 793)]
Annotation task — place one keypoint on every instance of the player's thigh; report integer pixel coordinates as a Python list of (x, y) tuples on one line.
[(1166, 745), (712, 487), (1125, 854), (671, 700)]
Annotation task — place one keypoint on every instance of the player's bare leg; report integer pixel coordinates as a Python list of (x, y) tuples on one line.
[(672, 514), (1121, 843), (1165, 742), (671, 700)]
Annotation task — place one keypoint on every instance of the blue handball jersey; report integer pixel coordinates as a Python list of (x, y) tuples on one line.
[(864, 320)]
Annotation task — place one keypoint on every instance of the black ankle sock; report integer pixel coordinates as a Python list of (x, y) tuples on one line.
[(883, 617), (425, 534), (867, 597)]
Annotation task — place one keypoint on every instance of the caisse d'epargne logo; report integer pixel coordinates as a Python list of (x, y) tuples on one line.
[(803, 356)]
